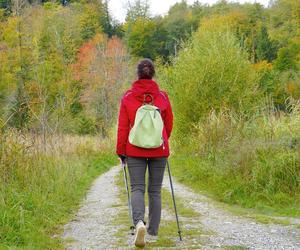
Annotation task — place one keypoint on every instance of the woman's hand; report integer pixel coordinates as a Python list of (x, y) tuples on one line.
[(123, 158)]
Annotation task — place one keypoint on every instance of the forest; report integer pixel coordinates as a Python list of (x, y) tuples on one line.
[(232, 72)]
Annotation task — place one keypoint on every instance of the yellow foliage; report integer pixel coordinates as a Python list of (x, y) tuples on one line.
[(99, 39), (293, 89), (10, 32), (222, 22), (262, 66)]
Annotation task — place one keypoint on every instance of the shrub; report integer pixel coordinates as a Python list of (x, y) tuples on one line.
[(211, 73)]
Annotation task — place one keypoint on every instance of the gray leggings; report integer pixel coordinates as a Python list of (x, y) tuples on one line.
[(137, 170)]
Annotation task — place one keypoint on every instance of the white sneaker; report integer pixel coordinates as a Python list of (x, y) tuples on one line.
[(140, 232)]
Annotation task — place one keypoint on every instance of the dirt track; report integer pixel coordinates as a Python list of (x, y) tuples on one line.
[(93, 226)]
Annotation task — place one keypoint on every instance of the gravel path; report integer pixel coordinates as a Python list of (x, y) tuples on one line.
[(93, 228), (232, 230)]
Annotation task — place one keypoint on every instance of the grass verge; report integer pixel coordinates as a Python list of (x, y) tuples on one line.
[(256, 200), (40, 192)]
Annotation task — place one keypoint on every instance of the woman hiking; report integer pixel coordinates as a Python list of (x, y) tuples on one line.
[(144, 91)]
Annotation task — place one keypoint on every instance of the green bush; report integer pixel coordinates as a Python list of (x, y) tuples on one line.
[(211, 73)]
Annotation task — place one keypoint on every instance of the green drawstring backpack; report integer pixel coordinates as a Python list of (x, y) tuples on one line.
[(148, 126)]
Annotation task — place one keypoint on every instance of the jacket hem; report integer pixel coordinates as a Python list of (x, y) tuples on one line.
[(147, 156)]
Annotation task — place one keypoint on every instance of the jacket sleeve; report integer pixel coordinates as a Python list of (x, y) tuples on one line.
[(123, 130), (168, 121)]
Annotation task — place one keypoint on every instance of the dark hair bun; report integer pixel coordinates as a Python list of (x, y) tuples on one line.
[(145, 69)]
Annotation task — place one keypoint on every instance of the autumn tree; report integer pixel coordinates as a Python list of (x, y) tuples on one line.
[(284, 18), (101, 68), (145, 38), (179, 24), (37, 83)]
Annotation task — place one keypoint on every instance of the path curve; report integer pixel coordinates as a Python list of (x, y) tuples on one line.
[(92, 227), (232, 230)]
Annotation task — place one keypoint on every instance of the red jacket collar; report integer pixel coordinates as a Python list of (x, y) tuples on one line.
[(145, 86)]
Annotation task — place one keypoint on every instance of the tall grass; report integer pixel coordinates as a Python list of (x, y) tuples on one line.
[(253, 163), (41, 185)]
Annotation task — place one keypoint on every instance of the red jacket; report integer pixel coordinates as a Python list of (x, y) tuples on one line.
[(131, 101)]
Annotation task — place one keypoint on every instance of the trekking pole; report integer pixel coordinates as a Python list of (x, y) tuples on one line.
[(173, 196), (128, 197)]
